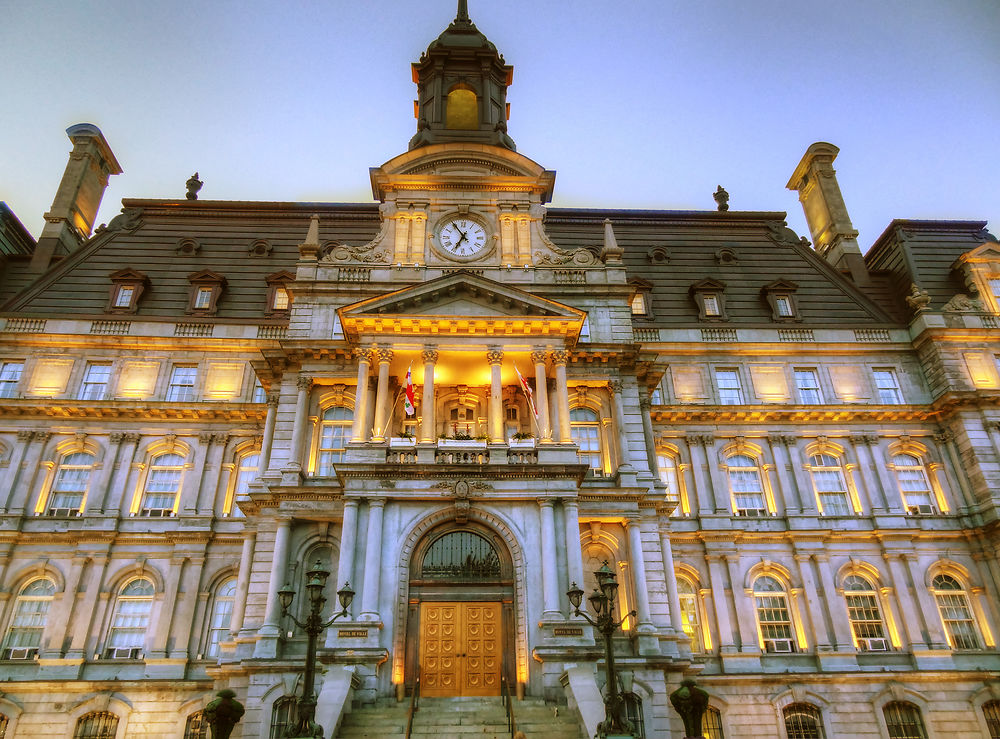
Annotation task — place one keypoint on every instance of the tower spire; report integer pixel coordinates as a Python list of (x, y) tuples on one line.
[(463, 12)]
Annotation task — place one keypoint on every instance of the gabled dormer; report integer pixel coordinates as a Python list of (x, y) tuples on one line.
[(980, 270)]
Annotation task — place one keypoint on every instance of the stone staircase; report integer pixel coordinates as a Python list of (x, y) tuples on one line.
[(462, 718)]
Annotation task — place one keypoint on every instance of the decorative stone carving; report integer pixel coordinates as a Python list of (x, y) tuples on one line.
[(726, 256), (559, 356), (616, 387), (721, 199), (538, 357), (127, 220), (303, 382), (961, 303), (781, 234), (193, 186), (384, 355), (429, 355), (187, 247), (658, 255), (918, 299), (259, 248), (494, 356)]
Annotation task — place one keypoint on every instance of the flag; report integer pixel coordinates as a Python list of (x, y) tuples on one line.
[(408, 397), (527, 392)]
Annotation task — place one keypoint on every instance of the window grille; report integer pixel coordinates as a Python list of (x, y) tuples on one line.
[(96, 725), (196, 727), (803, 721), (461, 554), (956, 615), (991, 711), (903, 721), (282, 717), (633, 712), (711, 724)]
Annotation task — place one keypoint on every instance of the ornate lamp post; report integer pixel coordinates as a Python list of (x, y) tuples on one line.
[(305, 725), (602, 600)]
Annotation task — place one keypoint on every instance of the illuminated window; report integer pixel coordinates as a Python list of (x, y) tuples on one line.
[(96, 725), (991, 711), (914, 485), (728, 383), (282, 717), (690, 622), (709, 297), (196, 727), (711, 305), (903, 721), (69, 485), (887, 386), (96, 378), (830, 485), (206, 290), (10, 376), (864, 614), (807, 385), (956, 615), (335, 432), (803, 721), (585, 430), (633, 712), (462, 109), (163, 483), (130, 620), (773, 617), (745, 486), (667, 466), (282, 301), (994, 290), (127, 287), (24, 634), (259, 393), (221, 616), (639, 305), (711, 724), (247, 472), (182, 380)]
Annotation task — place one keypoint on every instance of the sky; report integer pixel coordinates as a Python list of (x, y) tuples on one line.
[(642, 104)]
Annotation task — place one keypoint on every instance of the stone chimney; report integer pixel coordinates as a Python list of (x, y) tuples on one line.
[(70, 220), (833, 235)]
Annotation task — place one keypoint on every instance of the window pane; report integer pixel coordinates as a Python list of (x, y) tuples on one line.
[(182, 381), (196, 727), (807, 384), (991, 710), (96, 725), (282, 716), (887, 386), (586, 433), (730, 392), (803, 721), (95, 382), (131, 617), (711, 303), (30, 612), (123, 298), (203, 299), (903, 721), (784, 305), (10, 376), (281, 301), (711, 724), (222, 613), (335, 432)]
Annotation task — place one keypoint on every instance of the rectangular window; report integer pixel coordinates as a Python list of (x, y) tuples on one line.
[(181, 386), (784, 306), (807, 385), (995, 291), (711, 303), (95, 381), (203, 298), (10, 376), (887, 386), (123, 298), (281, 300), (639, 305), (728, 382), (259, 393)]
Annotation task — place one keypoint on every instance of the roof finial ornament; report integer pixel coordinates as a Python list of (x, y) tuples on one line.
[(463, 12), (721, 199), (193, 186)]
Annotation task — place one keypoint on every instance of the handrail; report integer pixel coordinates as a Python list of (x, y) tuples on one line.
[(508, 704), (414, 704)]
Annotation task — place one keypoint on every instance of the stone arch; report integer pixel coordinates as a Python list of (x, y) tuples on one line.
[(504, 529)]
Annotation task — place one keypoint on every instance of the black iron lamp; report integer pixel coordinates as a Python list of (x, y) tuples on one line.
[(602, 601), (305, 724)]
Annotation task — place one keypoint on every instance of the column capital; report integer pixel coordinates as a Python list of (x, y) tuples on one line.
[(944, 436), (696, 439), (645, 405), (272, 399), (866, 439), (384, 355), (494, 356), (303, 382), (42, 436), (559, 356), (429, 356), (538, 356), (571, 503), (363, 355), (132, 437), (116, 437), (616, 386), (205, 438), (546, 502), (25, 434), (376, 502)]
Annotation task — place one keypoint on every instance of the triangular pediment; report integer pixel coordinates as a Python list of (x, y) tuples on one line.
[(461, 303), (985, 253)]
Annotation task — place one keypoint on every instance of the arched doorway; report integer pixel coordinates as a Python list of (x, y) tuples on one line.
[(460, 612)]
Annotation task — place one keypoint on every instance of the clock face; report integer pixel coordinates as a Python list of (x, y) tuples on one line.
[(462, 237)]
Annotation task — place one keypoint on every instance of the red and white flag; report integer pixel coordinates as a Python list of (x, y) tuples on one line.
[(527, 392), (408, 398)]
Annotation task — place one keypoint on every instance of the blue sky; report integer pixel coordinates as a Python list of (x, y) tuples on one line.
[(635, 105)]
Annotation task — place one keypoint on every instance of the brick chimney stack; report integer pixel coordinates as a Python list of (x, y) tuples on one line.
[(833, 234), (70, 220)]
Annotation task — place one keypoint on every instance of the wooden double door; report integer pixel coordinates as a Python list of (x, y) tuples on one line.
[(461, 648)]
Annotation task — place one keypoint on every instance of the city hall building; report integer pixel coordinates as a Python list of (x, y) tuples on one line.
[(788, 452)]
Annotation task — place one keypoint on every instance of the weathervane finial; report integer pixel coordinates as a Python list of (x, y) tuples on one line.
[(463, 12)]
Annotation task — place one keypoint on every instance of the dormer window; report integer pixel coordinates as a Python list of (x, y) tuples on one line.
[(980, 269), (206, 289), (127, 287), (780, 297), (279, 300), (710, 297), (641, 300)]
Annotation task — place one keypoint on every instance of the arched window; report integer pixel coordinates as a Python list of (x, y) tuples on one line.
[(96, 725), (282, 716), (130, 619), (711, 724), (196, 727), (31, 608), (585, 429), (247, 466), (633, 712), (666, 464), (460, 554), (222, 614), (163, 483), (462, 109), (803, 721), (690, 622), (830, 485), (991, 712), (903, 721), (914, 485), (335, 432), (745, 486), (69, 486), (864, 614), (773, 617), (956, 615)]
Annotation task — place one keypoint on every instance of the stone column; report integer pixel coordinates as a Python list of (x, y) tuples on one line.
[(165, 612), (373, 560), (649, 437), (17, 457), (673, 599), (112, 495), (382, 400), (835, 604), (624, 461), (191, 484), (186, 605), (639, 574), (95, 498), (268, 440), (358, 431), (866, 463), (56, 625), (704, 497), (428, 433), (303, 383), (560, 358), (946, 440), (541, 396), (91, 590), (789, 496), (495, 359), (904, 597), (243, 582), (927, 606), (348, 540), (807, 496), (893, 499), (26, 483), (550, 580), (723, 615), (279, 573), (574, 554), (745, 607), (820, 636)]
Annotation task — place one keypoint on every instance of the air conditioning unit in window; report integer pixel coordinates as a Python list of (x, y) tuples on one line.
[(874, 645), (64, 512), (21, 652), (156, 512), (122, 653), (778, 646), (752, 512), (916, 510)]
